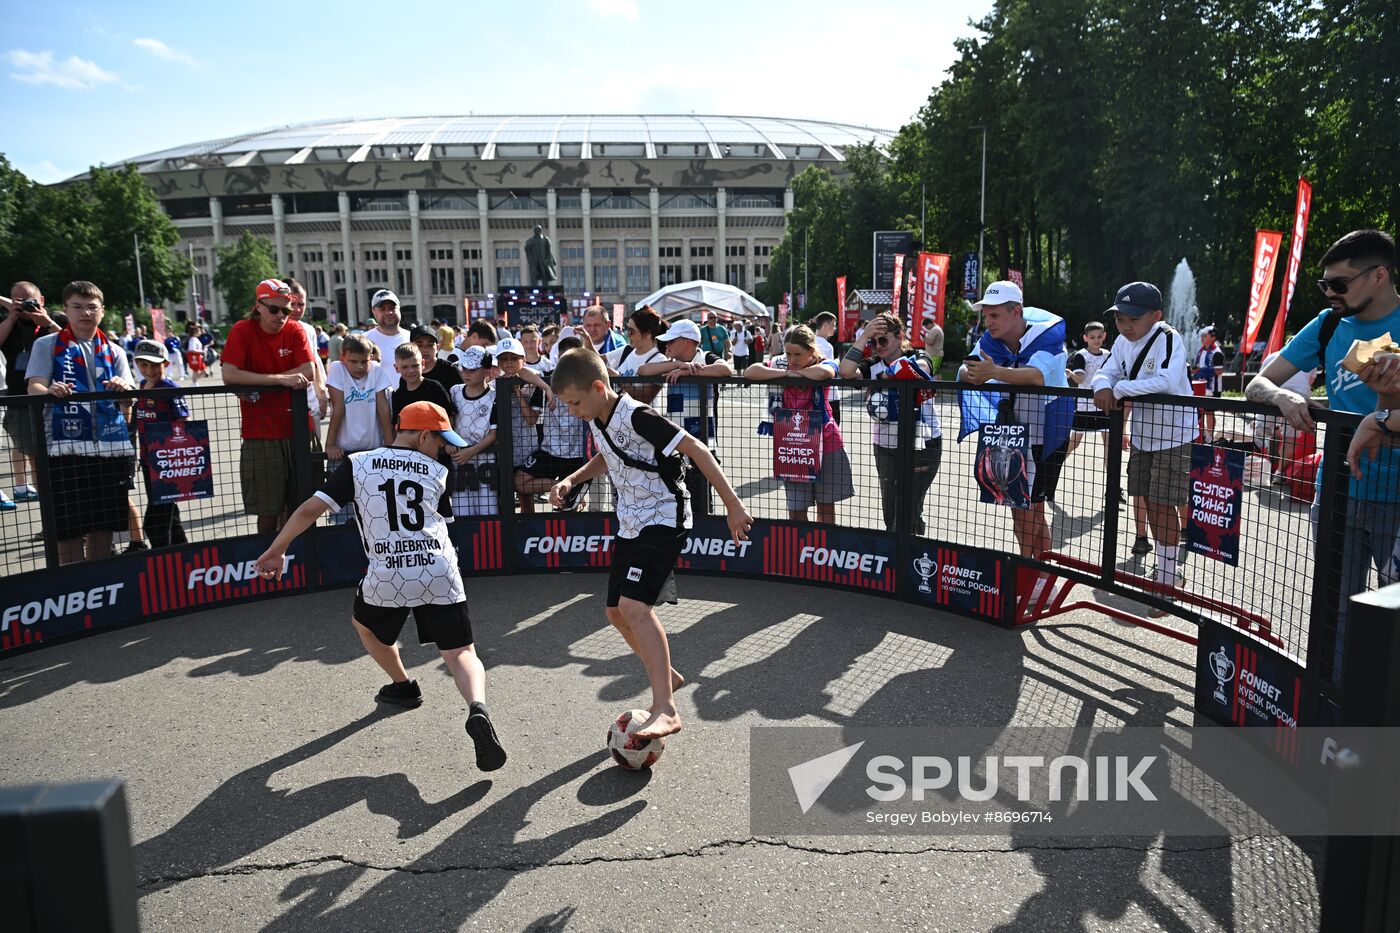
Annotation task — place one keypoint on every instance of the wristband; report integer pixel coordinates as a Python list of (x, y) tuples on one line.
[(854, 355)]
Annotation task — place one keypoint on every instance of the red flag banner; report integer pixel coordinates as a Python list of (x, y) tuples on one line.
[(898, 282), (158, 328), (846, 317), (1266, 244), (783, 311), (1014, 275), (1295, 258), (933, 290)]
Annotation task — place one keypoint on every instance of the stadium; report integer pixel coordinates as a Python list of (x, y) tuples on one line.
[(437, 208)]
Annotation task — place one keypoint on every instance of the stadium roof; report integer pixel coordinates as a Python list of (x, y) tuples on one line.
[(488, 137)]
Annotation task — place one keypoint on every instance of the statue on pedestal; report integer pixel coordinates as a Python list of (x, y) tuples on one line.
[(540, 258)]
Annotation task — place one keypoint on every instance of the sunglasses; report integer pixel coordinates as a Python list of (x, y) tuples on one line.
[(274, 309), (882, 341), (1338, 285)]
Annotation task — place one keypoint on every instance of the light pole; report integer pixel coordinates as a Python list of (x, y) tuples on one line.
[(140, 287), (982, 214)]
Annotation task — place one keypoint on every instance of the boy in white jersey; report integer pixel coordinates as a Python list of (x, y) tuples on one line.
[(412, 563), (1082, 366), (642, 452), (474, 474)]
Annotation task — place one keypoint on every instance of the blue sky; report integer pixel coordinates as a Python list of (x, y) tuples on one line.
[(94, 83)]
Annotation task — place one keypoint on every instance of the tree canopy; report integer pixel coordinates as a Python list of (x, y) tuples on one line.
[(1122, 137), (242, 266), (55, 234)]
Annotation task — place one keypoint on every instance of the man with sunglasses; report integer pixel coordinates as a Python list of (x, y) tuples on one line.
[(1358, 278), (265, 351)]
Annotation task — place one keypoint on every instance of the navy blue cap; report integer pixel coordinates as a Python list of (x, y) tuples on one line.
[(1136, 299)]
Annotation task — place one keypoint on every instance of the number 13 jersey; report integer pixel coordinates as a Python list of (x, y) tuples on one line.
[(402, 510)]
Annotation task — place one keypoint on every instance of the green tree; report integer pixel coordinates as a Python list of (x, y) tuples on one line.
[(242, 266), (120, 208)]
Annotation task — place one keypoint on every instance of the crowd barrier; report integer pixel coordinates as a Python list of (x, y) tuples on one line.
[(1259, 595)]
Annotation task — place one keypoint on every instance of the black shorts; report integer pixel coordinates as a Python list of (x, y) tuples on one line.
[(642, 566), (447, 626), (89, 494), (1047, 471), (544, 465), (1089, 421)]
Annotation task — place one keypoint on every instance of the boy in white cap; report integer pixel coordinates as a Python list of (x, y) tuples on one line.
[(401, 502)]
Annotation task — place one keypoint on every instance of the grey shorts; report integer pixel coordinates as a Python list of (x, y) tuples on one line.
[(1161, 475), (834, 484), (19, 424), (268, 475)]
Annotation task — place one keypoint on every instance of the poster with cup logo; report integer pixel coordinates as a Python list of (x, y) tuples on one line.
[(1002, 467), (797, 445), (178, 461), (1217, 495)]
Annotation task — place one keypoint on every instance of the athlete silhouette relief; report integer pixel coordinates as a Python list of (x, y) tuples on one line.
[(564, 176)]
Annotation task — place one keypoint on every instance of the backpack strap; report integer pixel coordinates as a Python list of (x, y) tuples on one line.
[(1329, 326), (667, 467), (626, 352), (1142, 356)]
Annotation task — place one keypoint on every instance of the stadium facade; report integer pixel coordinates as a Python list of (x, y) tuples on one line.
[(438, 208)]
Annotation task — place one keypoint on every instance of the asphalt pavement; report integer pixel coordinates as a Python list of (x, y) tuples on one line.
[(268, 793)]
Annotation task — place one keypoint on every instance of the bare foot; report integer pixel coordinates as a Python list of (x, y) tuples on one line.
[(661, 722), (677, 681)]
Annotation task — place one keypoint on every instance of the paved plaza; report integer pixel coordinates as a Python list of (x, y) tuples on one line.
[(268, 793)]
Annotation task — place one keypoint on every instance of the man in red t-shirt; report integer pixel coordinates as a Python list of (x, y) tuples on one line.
[(263, 351)]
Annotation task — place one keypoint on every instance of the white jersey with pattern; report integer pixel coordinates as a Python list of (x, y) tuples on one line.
[(653, 496), (401, 508)]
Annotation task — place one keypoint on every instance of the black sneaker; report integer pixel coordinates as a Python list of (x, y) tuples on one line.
[(1142, 546), (490, 756), (136, 546), (571, 501), (405, 694)]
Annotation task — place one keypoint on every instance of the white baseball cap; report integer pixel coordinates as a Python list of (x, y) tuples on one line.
[(508, 345), (1000, 293), (382, 296), (684, 328), (470, 358)]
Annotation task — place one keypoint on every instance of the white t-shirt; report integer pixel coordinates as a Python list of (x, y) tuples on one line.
[(1300, 382), (386, 343), (475, 418), (360, 429), (824, 345), (1153, 427), (740, 343), (883, 408), (1087, 362), (634, 360), (313, 404), (402, 511)]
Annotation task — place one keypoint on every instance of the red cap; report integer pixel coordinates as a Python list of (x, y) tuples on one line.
[(273, 288)]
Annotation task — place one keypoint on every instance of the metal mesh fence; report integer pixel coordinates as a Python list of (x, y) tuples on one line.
[(168, 474), (1110, 496)]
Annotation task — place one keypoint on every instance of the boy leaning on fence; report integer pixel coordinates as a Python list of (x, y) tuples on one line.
[(162, 519), (1149, 357)]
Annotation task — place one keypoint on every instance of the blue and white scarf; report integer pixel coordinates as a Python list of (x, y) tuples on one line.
[(86, 428), (1045, 334)]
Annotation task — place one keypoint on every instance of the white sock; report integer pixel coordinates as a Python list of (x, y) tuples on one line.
[(1166, 564), (21, 490)]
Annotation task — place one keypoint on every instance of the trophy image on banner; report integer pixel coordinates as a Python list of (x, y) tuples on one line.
[(1000, 467)]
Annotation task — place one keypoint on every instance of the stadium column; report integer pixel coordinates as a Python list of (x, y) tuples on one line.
[(586, 199), (551, 204), (488, 261), (352, 291), (279, 234), (421, 290), (216, 224), (721, 250), (654, 202)]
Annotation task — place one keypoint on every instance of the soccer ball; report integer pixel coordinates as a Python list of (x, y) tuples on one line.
[(632, 753)]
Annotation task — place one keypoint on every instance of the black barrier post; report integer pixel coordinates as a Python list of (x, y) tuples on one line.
[(1330, 539), (1361, 881), (1112, 498), (302, 454), (904, 503), (699, 485), (505, 461), (44, 477), (65, 858)]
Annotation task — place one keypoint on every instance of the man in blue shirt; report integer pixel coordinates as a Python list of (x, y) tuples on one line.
[(1358, 278)]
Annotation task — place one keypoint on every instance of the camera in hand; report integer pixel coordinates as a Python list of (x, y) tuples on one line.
[(29, 305)]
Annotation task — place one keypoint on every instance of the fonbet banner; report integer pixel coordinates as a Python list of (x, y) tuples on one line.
[(933, 288), (1261, 283), (178, 461), (1295, 258), (1217, 500), (962, 580)]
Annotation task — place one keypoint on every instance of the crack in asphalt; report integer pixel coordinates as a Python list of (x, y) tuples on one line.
[(252, 868)]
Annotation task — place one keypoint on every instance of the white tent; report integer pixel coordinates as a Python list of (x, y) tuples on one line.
[(685, 299)]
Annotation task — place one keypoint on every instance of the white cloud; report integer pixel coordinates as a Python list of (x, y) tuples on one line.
[(625, 9), (160, 50), (76, 73)]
